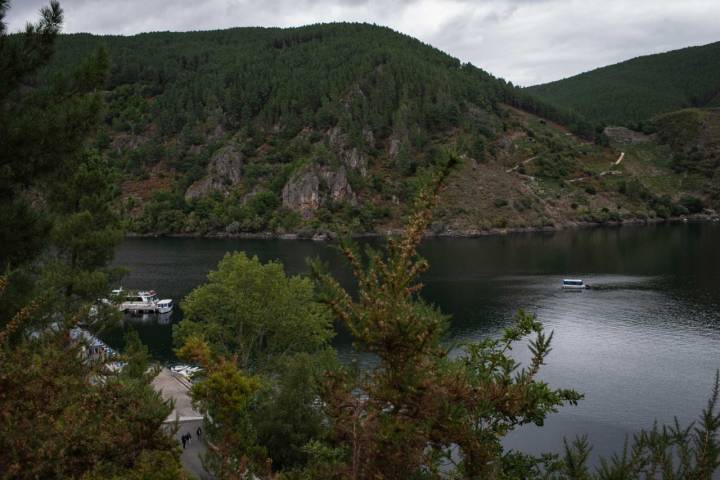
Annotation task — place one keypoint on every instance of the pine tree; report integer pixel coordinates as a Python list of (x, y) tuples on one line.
[(63, 414)]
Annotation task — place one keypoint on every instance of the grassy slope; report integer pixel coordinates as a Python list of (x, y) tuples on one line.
[(487, 196), (631, 92)]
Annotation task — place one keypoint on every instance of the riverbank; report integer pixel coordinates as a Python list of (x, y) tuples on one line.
[(471, 233)]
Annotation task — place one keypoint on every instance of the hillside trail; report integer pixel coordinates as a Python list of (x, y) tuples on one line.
[(601, 174), (522, 163), (606, 172)]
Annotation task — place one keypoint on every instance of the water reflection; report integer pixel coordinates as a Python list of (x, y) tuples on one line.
[(643, 344)]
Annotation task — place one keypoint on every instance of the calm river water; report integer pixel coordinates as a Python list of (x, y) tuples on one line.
[(643, 345)]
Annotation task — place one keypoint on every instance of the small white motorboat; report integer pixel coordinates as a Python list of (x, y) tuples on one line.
[(573, 284), (165, 305)]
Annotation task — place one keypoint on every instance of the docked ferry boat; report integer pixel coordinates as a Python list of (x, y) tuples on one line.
[(143, 302)]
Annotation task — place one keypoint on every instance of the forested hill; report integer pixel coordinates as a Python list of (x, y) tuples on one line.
[(631, 92), (332, 127)]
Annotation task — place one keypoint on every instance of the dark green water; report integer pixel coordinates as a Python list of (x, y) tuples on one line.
[(643, 345)]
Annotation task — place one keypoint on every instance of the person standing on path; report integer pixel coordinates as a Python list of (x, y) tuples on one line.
[(183, 441), (198, 432)]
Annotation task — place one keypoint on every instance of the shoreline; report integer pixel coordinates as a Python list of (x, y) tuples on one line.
[(471, 233)]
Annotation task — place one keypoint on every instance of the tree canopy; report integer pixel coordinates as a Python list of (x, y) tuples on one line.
[(63, 412), (255, 311), (632, 92)]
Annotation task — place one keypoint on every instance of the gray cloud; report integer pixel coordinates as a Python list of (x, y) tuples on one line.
[(524, 41)]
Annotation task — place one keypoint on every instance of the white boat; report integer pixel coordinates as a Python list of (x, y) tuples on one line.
[(165, 305), (186, 371), (573, 284), (144, 302)]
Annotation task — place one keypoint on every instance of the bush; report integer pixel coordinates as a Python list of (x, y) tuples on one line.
[(692, 204), (522, 204), (678, 210), (662, 211)]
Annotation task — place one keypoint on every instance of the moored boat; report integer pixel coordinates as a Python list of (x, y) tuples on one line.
[(145, 301), (165, 305)]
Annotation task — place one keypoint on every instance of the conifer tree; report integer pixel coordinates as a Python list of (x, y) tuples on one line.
[(63, 413), (421, 410)]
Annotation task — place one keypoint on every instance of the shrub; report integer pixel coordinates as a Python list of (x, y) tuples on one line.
[(692, 204)]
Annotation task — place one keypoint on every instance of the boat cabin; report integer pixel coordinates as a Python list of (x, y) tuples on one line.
[(573, 283)]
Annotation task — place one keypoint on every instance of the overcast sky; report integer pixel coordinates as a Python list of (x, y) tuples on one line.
[(524, 41)]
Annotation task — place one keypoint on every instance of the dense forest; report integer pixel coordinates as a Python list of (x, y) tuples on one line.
[(331, 128), (316, 128), (630, 93)]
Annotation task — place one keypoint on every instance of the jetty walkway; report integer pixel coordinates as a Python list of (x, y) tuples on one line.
[(175, 387)]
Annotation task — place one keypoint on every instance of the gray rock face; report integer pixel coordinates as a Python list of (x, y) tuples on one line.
[(626, 136), (223, 172), (352, 158), (356, 160), (303, 192), (394, 148), (338, 186)]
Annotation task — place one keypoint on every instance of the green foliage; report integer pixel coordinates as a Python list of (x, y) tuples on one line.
[(632, 92), (64, 414), (253, 310), (43, 124), (286, 416), (261, 336), (694, 138), (225, 395), (692, 204), (418, 412), (59, 421), (311, 95)]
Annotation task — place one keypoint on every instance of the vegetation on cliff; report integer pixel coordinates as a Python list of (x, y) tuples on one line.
[(630, 93), (331, 128)]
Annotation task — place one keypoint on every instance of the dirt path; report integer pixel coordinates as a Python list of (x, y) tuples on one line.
[(521, 163), (607, 172)]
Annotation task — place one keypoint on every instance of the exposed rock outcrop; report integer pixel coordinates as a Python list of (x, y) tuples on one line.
[(223, 172), (626, 136), (302, 193), (351, 157), (394, 148), (126, 142), (310, 187), (338, 187)]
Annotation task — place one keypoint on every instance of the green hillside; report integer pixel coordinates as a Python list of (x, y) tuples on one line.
[(631, 92), (332, 128)]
